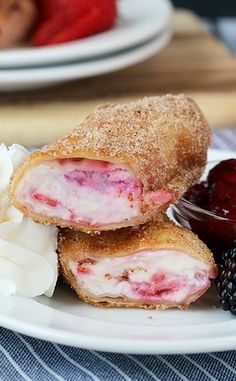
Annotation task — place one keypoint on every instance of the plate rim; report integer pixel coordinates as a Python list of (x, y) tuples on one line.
[(14, 79), (91, 46), (116, 345)]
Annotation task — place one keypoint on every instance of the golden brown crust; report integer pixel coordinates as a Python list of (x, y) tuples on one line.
[(163, 139), (123, 302), (125, 241), (77, 246)]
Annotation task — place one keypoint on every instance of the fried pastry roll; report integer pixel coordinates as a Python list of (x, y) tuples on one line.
[(121, 167), (157, 265)]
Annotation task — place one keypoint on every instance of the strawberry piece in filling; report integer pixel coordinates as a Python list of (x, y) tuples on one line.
[(152, 276), (45, 200), (89, 191)]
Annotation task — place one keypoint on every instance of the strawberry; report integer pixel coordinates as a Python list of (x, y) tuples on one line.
[(83, 269), (67, 20), (45, 200)]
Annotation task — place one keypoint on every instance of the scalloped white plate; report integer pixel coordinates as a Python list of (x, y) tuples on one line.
[(66, 320), (138, 21)]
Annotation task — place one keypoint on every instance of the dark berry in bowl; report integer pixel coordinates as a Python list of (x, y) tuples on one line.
[(209, 208), (224, 172), (198, 194), (222, 200)]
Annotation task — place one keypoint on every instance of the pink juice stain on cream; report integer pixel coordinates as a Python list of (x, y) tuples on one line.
[(158, 276), (83, 190)]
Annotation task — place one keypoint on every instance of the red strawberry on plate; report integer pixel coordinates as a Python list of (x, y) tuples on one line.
[(67, 20)]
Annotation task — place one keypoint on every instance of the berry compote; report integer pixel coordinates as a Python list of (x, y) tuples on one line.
[(209, 208)]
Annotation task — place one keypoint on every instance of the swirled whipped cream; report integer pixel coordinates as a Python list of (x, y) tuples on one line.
[(28, 258)]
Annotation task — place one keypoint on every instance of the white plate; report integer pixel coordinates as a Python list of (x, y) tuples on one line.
[(16, 79), (138, 21), (66, 320)]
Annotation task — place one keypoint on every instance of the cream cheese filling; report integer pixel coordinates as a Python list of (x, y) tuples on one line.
[(82, 190), (147, 275)]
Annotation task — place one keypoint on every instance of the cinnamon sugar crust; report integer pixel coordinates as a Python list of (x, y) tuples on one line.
[(125, 303), (163, 139), (82, 248)]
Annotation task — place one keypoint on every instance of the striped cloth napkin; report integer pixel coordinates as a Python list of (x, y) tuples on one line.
[(25, 358)]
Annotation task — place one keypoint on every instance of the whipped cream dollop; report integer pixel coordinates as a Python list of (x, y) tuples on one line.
[(28, 258)]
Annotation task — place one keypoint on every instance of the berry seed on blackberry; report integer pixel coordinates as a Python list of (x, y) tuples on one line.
[(225, 255), (223, 295), (230, 286), (233, 310), (232, 265), (224, 283), (229, 274), (225, 305), (221, 266), (233, 252), (223, 274), (232, 300), (218, 284)]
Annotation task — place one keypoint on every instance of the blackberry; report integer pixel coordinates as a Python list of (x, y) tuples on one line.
[(226, 281)]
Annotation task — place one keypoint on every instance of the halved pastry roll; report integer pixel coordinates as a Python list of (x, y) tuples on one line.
[(121, 167), (152, 266)]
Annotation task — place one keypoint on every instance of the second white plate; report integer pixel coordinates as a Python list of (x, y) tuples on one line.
[(29, 78), (137, 22)]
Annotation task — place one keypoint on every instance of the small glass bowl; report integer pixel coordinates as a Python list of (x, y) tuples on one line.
[(216, 231)]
